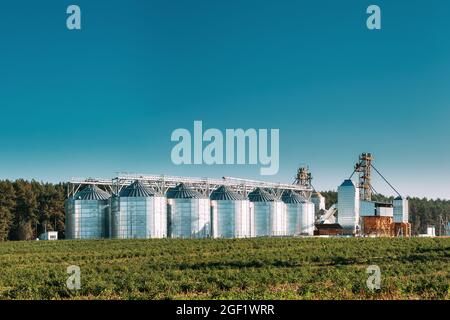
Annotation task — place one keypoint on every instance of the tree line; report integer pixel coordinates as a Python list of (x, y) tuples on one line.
[(29, 208)]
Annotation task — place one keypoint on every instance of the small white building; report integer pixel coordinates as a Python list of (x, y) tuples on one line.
[(431, 232), (49, 235)]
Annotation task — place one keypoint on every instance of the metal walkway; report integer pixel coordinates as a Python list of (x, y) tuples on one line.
[(162, 183)]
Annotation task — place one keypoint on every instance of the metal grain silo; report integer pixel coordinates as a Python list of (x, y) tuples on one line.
[(308, 219), (269, 214), (138, 212), (86, 214), (294, 208), (230, 214), (348, 207), (300, 214), (188, 212)]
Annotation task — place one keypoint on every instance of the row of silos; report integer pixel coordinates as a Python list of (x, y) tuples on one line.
[(140, 212)]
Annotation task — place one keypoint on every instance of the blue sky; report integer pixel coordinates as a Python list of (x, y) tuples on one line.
[(107, 98)]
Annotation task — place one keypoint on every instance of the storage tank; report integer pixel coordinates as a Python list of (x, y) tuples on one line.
[(86, 214), (300, 214), (188, 212), (230, 214), (348, 207), (269, 214), (294, 207), (308, 219), (138, 212), (401, 210)]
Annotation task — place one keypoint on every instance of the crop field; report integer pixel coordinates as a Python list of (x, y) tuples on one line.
[(283, 268)]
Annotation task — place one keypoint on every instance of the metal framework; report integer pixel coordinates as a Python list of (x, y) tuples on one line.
[(162, 183), (303, 177), (363, 167)]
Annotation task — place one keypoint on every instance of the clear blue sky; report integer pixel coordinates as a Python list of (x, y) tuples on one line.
[(106, 98)]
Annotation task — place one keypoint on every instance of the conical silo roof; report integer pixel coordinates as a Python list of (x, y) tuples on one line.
[(181, 191), (225, 193), (92, 192), (348, 183), (260, 195), (137, 189), (289, 196)]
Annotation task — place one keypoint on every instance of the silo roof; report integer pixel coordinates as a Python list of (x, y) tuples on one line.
[(347, 183), (137, 189), (225, 193), (181, 191), (92, 192), (289, 196), (259, 195)]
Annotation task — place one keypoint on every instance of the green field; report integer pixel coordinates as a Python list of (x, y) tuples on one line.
[(287, 268)]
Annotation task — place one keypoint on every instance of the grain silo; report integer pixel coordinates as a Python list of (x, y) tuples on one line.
[(138, 212), (269, 214), (401, 210), (348, 207), (86, 214), (308, 219), (294, 209), (188, 213), (230, 214)]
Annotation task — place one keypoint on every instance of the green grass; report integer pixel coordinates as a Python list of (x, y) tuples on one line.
[(312, 268)]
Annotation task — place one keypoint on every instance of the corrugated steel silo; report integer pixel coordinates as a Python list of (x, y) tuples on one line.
[(230, 214), (269, 214), (138, 212), (86, 214), (401, 210), (188, 212), (308, 219), (295, 206), (348, 207)]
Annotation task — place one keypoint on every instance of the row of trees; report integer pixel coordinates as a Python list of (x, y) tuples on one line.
[(423, 212), (30, 208)]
